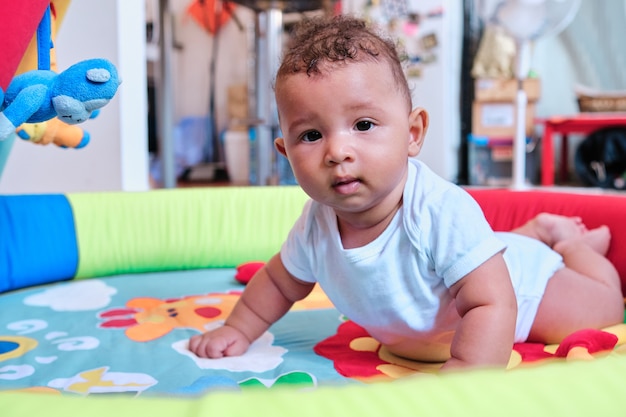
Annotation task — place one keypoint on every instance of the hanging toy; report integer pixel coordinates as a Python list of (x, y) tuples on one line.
[(72, 95)]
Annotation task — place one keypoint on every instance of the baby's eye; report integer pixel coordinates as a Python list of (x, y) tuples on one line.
[(311, 136), (364, 125)]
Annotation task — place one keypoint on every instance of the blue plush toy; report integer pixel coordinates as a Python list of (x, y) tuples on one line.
[(72, 95)]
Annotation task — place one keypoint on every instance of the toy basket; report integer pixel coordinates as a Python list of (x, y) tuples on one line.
[(590, 100), (601, 104)]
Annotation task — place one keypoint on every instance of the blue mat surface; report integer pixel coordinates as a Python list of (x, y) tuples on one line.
[(128, 334)]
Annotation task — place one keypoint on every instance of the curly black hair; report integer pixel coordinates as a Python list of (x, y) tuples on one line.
[(338, 40)]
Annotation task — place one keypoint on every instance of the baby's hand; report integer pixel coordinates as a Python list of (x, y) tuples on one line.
[(224, 341)]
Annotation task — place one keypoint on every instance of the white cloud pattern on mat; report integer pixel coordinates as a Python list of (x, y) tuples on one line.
[(261, 356), (74, 296)]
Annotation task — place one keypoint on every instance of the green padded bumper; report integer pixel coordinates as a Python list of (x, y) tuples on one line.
[(561, 389), (163, 230)]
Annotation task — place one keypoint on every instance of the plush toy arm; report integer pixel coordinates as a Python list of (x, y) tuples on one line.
[(6, 127), (25, 104)]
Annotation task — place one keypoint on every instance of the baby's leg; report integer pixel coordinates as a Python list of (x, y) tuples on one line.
[(586, 293)]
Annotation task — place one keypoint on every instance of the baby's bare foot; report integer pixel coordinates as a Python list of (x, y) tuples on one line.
[(598, 239), (553, 228)]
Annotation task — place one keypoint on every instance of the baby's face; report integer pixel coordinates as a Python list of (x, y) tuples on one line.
[(347, 135)]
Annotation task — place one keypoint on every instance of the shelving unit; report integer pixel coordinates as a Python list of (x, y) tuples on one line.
[(268, 40)]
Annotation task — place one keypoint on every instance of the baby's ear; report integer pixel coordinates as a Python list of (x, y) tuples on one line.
[(418, 125), (279, 144)]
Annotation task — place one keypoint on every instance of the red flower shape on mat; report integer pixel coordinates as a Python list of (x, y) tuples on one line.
[(592, 340), (355, 354), (348, 362)]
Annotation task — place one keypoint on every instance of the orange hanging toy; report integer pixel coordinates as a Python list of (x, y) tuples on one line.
[(211, 14)]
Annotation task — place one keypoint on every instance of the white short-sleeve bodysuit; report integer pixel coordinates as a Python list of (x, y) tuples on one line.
[(397, 285)]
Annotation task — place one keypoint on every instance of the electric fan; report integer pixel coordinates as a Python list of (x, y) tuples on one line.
[(526, 21)]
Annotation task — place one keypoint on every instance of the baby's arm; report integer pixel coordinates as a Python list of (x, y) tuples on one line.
[(267, 297), (488, 308)]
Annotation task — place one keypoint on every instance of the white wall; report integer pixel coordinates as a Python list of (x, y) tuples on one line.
[(438, 89), (117, 156)]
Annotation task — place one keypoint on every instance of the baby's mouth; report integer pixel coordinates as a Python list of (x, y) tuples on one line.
[(346, 185), (343, 181)]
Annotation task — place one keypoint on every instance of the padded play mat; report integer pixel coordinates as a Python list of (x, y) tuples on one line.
[(116, 342), (126, 335)]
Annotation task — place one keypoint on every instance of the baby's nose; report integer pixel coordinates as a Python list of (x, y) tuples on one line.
[(338, 149)]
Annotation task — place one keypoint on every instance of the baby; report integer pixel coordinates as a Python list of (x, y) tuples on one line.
[(397, 249)]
